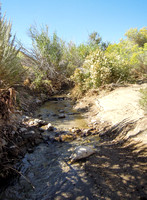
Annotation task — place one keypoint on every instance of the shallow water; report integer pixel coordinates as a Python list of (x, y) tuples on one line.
[(51, 110), (47, 172), (51, 176)]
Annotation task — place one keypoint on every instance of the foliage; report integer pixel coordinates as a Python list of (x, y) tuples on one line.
[(73, 57), (46, 52), (89, 65), (41, 85), (137, 36), (129, 59), (143, 100), (10, 65), (94, 72), (45, 57), (95, 42), (122, 62)]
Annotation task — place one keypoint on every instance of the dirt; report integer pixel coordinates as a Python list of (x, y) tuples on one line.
[(118, 172), (119, 169), (112, 107)]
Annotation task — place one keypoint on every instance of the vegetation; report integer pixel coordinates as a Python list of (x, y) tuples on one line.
[(122, 62), (52, 62), (10, 65)]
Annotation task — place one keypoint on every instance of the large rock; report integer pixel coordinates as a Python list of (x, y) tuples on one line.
[(82, 152)]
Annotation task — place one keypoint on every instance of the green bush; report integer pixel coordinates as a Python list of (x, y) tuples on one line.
[(99, 69), (139, 37), (42, 85), (10, 65)]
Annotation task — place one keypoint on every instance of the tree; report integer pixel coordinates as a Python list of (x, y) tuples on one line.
[(95, 41), (94, 38)]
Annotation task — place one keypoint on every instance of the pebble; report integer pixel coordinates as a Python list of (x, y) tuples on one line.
[(50, 127), (23, 130), (61, 116)]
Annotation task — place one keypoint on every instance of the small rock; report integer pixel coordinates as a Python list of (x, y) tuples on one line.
[(37, 122), (61, 111), (31, 132), (50, 127), (43, 96), (61, 116), (75, 130), (25, 118), (86, 131), (22, 130), (38, 101)]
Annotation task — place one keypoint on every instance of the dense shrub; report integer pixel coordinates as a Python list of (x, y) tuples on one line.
[(122, 62), (139, 37)]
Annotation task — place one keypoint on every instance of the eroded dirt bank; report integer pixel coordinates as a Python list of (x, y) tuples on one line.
[(114, 105)]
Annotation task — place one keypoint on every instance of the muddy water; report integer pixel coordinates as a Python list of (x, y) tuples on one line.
[(53, 109), (47, 173)]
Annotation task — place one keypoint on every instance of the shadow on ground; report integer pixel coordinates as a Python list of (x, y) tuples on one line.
[(119, 170), (116, 172)]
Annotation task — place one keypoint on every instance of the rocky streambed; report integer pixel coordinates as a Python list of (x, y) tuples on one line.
[(45, 172)]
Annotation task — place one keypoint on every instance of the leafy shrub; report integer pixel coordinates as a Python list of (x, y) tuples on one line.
[(42, 85), (101, 68), (139, 37), (128, 60), (10, 65), (47, 51), (96, 68)]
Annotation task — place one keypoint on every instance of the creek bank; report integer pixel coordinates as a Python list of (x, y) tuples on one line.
[(15, 137)]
